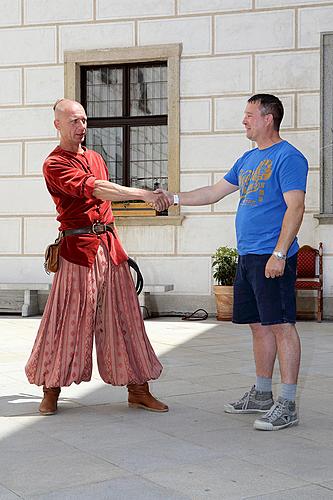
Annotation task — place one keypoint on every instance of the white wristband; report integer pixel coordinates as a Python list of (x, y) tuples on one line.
[(176, 199)]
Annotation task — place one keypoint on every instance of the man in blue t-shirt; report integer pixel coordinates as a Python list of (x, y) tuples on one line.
[(272, 182)]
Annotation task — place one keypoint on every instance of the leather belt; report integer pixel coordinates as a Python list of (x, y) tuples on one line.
[(96, 228)]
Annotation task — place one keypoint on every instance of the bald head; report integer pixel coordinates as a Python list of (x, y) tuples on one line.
[(70, 120), (66, 106)]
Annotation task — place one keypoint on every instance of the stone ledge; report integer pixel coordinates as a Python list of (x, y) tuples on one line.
[(158, 288), (324, 218), (175, 220), (22, 297)]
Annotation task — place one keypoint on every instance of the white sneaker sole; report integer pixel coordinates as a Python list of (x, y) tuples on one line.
[(266, 426), (231, 409)]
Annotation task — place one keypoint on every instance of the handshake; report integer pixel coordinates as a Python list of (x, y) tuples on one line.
[(160, 199)]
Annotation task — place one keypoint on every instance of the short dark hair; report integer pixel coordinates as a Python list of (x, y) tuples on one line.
[(57, 102), (270, 104)]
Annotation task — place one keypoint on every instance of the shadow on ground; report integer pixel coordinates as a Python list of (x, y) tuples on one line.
[(97, 447)]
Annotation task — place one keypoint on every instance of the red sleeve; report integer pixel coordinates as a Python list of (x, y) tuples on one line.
[(65, 179)]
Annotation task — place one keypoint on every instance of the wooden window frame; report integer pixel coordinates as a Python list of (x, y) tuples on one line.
[(73, 60), (126, 120)]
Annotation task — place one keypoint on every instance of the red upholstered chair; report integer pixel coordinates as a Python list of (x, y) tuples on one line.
[(310, 273)]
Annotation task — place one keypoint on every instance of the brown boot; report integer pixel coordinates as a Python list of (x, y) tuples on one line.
[(48, 405), (140, 397)]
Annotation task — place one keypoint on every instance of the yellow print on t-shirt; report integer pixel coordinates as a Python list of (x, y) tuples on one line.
[(254, 181)]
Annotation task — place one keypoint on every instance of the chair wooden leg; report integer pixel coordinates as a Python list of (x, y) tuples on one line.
[(319, 306)]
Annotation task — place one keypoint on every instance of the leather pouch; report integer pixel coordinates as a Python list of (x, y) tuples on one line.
[(51, 262)]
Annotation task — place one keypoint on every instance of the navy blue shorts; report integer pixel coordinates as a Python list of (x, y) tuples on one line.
[(258, 299)]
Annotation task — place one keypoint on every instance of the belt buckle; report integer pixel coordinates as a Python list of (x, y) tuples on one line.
[(98, 228)]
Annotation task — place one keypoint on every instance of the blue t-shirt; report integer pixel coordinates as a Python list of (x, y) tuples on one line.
[(263, 175)]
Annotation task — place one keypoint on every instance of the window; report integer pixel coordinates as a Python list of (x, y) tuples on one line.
[(326, 157), (131, 96), (127, 121)]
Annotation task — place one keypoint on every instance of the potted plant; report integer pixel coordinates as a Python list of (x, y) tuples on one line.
[(224, 271)]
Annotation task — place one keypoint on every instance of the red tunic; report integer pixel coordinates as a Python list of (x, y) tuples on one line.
[(70, 179)]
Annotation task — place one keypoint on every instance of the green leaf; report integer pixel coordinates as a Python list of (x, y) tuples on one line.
[(224, 265)]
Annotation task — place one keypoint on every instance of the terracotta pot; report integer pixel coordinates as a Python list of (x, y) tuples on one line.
[(224, 297)]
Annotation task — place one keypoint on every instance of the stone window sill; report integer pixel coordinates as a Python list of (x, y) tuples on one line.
[(324, 218), (170, 220)]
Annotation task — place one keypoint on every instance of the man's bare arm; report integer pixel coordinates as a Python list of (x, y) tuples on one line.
[(110, 191), (291, 223), (205, 195), (292, 219)]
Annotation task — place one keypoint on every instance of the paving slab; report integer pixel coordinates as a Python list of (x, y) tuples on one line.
[(225, 478), (97, 447), (312, 492), (318, 383), (5, 494), (156, 454), (328, 484), (122, 488), (34, 463)]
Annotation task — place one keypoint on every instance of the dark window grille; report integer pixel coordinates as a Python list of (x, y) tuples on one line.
[(127, 121)]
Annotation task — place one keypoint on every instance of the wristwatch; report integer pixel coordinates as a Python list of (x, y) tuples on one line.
[(279, 255), (176, 199)]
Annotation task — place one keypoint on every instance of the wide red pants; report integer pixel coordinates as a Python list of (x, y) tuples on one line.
[(84, 303)]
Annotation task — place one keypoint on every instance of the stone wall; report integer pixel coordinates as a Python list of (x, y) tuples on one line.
[(231, 49)]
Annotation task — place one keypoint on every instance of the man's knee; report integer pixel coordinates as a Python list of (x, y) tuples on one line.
[(284, 329), (259, 330)]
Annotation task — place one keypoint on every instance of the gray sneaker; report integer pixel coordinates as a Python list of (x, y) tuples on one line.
[(252, 402), (282, 414)]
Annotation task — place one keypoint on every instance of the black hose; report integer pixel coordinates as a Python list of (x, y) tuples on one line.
[(198, 315), (139, 278)]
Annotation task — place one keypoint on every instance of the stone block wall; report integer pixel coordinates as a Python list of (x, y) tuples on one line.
[(231, 49)]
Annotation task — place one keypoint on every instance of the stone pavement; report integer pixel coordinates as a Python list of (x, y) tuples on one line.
[(98, 448)]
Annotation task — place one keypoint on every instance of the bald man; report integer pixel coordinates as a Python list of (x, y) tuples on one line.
[(93, 294)]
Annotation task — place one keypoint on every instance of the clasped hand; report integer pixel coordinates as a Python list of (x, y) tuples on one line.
[(274, 267), (159, 199)]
